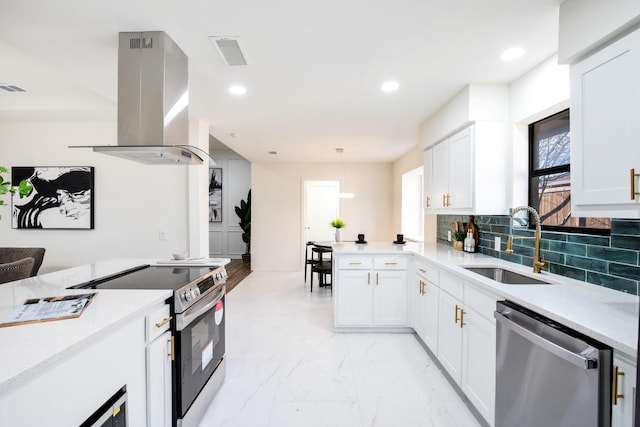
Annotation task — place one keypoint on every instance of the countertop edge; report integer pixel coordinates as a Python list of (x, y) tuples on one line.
[(451, 261)]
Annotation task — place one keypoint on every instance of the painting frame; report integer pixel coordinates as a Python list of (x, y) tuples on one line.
[(62, 198), (215, 195)]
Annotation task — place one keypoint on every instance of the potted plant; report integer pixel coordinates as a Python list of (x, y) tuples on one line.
[(458, 240), (338, 224), (244, 213), (23, 189)]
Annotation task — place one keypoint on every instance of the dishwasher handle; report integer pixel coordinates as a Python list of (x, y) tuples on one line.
[(568, 355)]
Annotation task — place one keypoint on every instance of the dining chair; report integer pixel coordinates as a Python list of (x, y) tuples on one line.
[(8, 255), (308, 258), (16, 270), (323, 257)]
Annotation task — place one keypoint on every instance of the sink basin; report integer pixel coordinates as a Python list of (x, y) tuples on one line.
[(507, 277)]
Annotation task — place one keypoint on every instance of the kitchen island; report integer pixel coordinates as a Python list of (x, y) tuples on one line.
[(61, 371), (428, 289)]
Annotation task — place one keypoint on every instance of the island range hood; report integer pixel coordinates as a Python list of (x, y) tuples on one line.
[(153, 99)]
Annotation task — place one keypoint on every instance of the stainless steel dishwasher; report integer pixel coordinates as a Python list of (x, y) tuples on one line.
[(548, 374)]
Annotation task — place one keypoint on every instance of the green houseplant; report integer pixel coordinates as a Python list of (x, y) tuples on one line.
[(244, 213), (458, 239), (338, 224), (23, 189)]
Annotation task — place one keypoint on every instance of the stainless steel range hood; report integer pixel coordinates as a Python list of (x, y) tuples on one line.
[(153, 99)]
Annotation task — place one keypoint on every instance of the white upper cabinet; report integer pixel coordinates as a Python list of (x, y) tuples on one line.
[(428, 179), (469, 171), (605, 131)]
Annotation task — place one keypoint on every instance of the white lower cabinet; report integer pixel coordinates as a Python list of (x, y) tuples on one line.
[(466, 341), (450, 335), (390, 298), (479, 363), (425, 294), (624, 388), (159, 355), (371, 291)]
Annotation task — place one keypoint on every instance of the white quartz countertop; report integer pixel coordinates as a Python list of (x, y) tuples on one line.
[(30, 349), (604, 314)]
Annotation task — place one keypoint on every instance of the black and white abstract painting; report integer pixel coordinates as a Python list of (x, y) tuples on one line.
[(62, 198), (215, 195)]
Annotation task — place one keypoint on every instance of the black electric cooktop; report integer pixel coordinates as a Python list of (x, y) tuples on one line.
[(148, 277)]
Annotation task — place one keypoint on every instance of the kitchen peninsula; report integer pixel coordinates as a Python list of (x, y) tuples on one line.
[(63, 370), (427, 288)]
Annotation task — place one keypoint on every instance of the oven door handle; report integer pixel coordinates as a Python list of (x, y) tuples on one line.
[(205, 304)]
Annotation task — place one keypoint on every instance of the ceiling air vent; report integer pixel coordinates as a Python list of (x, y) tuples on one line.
[(230, 50), (11, 88)]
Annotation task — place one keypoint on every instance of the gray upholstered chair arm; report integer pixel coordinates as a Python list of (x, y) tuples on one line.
[(16, 270)]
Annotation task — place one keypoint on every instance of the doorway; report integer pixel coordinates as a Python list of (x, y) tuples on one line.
[(321, 205)]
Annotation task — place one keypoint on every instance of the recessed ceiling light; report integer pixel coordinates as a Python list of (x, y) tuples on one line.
[(238, 90), (511, 54), (390, 86), (273, 153)]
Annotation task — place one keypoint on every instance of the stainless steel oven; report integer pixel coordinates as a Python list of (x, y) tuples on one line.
[(200, 351), (198, 329)]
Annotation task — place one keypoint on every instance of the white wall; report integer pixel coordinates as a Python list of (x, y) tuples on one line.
[(276, 241), (225, 238), (133, 202), (541, 92), (586, 25), (476, 102)]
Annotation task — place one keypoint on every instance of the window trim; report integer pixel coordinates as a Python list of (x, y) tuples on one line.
[(551, 170)]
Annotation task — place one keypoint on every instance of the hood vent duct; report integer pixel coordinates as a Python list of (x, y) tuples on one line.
[(153, 99)]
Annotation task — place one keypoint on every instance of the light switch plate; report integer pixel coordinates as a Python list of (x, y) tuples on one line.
[(497, 244), (449, 235)]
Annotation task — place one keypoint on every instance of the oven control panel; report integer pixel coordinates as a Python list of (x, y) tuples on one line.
[(190, 293)]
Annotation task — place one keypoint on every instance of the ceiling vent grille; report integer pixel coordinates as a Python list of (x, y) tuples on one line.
[(230, 50), (11, 88)]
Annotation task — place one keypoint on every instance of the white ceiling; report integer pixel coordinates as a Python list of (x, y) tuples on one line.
[(315, 68)]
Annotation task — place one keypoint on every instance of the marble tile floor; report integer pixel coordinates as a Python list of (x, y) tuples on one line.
[(287, 368)]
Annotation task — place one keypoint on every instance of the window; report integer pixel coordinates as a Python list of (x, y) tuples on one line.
[(550, 177), (412, 210)]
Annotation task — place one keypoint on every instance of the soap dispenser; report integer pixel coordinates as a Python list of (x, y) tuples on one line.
[(472, 242)]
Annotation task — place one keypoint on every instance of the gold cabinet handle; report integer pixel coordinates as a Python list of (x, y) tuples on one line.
[(421, 287), (368, 278), (424, 288), (422, 270), (376, 279), (355, 263), (163, 322), (428, 201), (448, 201), (172, 352), (634, 193), (462, 313), (457, 309), (390, 263), (615, 395), (444, 200)]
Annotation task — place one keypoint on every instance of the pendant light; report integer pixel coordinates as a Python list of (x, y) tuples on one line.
[(343, 195)]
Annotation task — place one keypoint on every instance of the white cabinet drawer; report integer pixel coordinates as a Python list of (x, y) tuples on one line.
[(158, 321), (354, 262), (428, 272), (384, 262), (452, 285), (482, 303)]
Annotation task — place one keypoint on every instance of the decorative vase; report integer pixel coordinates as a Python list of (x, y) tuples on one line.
[(338, 235), (458, 245)]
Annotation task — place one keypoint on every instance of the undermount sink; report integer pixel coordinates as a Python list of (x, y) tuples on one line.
[(506, 277)]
